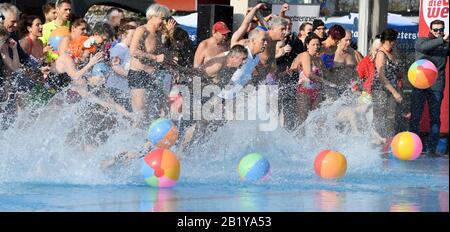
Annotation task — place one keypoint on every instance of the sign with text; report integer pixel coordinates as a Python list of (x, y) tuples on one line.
[(299, 13)]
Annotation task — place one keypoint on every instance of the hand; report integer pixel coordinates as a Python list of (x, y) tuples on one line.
[(445, 38), (115, 61), (285, 7), (287, 48), (12, 43), (170, 25), (398, 97), (160, 58), (45, 70), (96, 58), (48, 48), (261, 6), (268, 17)]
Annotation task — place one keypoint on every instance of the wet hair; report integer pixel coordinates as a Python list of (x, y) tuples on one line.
[(25, 22), (278, 21), (310, 37), (436, 22), (157, 10), (47, 8), (103, 29), (77, 22), (238, 49), (60, 2), (302, 27), (337, 32), (389, 35)]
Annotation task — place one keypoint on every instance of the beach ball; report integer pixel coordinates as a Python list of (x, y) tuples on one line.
[(160, 168), (406, 146), (253, 167), (422, 74), (330, 164), (162, 133), (56, 36)]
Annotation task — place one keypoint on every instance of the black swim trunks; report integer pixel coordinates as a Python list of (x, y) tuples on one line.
[(140, 79)]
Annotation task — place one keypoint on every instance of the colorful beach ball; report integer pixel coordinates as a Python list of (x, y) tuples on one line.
[(406, 146), (330, 164), (56, 36), (162, 133), (160, 168), (253, 167), (422, 74)]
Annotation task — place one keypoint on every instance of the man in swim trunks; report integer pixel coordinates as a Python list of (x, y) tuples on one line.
[(212, 46)]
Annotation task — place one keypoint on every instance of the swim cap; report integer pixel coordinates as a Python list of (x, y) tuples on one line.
[(78, 45)]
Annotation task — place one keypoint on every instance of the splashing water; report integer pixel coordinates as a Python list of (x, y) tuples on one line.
[(37, 148)]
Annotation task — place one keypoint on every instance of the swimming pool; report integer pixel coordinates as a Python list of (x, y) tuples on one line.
[(420, 186), (40, 172)]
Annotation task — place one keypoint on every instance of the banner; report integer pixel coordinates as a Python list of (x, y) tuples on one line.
[(299, 13), (431, 10), (179, 5)]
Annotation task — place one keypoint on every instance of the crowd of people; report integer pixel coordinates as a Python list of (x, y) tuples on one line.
[(133, 68)]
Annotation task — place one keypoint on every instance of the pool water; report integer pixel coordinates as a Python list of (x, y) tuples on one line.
[(420, 186), (41, 171)]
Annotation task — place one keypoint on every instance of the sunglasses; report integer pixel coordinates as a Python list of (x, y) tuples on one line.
[(438, 29)]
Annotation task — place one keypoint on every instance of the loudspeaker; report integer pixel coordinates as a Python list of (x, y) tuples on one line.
[(209, 14)]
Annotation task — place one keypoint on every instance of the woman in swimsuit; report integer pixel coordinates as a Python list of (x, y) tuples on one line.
[(344, 69), (386, 92), (310, 70), (329, 46), (30, 29)]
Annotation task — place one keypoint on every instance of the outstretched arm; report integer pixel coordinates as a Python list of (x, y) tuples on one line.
[(237, 36)]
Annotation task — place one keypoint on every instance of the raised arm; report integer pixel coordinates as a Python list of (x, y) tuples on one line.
[(237, 36), (77, 74)]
